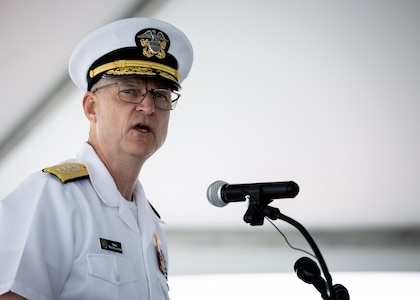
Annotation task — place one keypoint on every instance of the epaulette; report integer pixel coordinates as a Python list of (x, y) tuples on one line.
[(68, 171)]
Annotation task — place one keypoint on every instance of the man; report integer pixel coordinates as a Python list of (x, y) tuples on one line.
[(84, 229)]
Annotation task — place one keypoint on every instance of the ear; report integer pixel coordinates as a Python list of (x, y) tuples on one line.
[(89, 106)]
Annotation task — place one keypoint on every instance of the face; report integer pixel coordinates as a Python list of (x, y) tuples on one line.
[(122, 130)]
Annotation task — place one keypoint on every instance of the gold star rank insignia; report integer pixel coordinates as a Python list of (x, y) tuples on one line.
[(68, 171)]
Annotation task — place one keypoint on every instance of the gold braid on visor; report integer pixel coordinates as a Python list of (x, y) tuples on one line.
[(140, 67)]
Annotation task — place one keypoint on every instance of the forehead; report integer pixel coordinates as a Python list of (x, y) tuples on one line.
[(149, 82)]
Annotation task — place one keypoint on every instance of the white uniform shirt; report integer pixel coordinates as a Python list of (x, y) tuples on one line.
[(50, 239)]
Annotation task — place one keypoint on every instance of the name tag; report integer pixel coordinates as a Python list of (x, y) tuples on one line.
[(110, 245)]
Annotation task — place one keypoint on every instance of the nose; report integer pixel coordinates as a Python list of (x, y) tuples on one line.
[(147, 105)]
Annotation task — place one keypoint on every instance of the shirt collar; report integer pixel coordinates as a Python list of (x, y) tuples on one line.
[(104, 184)]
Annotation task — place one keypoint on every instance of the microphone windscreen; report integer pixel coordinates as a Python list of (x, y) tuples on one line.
[(214, 193)]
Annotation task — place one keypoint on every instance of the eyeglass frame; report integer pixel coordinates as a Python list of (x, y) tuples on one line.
[(153, 92)]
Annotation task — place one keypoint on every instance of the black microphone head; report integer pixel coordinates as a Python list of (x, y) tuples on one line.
[(214, 193), (307, 270), (341, 293)]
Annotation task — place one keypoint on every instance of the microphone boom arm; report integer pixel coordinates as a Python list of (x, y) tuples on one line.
[(274, 213), (258, 209)]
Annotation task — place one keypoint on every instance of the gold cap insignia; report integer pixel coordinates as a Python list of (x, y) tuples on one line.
[(153, 42)]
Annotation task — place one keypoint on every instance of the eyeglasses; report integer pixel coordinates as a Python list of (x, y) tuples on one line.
[(135, 93)]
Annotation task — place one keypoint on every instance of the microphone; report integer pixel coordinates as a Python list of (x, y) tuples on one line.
[(307, 270), (220, 193)]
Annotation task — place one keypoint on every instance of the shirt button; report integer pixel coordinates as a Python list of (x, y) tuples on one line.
[(117, 277)]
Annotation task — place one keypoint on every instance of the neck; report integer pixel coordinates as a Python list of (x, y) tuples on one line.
[(124, 171), (125, 177)]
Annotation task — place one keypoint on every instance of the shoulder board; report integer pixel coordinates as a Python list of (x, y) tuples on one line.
[(68, 171)]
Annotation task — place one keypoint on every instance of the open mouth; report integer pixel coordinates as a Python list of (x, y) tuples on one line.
[(142, 128)]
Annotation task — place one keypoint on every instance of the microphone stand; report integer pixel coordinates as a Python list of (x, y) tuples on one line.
[(258, 208)]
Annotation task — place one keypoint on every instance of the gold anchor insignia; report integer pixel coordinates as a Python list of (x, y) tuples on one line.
[(154, 43)]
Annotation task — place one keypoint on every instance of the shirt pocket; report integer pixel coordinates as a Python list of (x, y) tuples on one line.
[(110, 277)]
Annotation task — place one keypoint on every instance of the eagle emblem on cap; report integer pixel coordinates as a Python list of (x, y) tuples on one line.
[(153, 42)]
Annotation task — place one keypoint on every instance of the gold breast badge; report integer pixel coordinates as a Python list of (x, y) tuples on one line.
[(161, 257)]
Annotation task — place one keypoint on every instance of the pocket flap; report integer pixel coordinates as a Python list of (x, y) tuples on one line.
[(116, 270)]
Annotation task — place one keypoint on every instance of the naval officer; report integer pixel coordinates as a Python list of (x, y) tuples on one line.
[(83, 229)]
